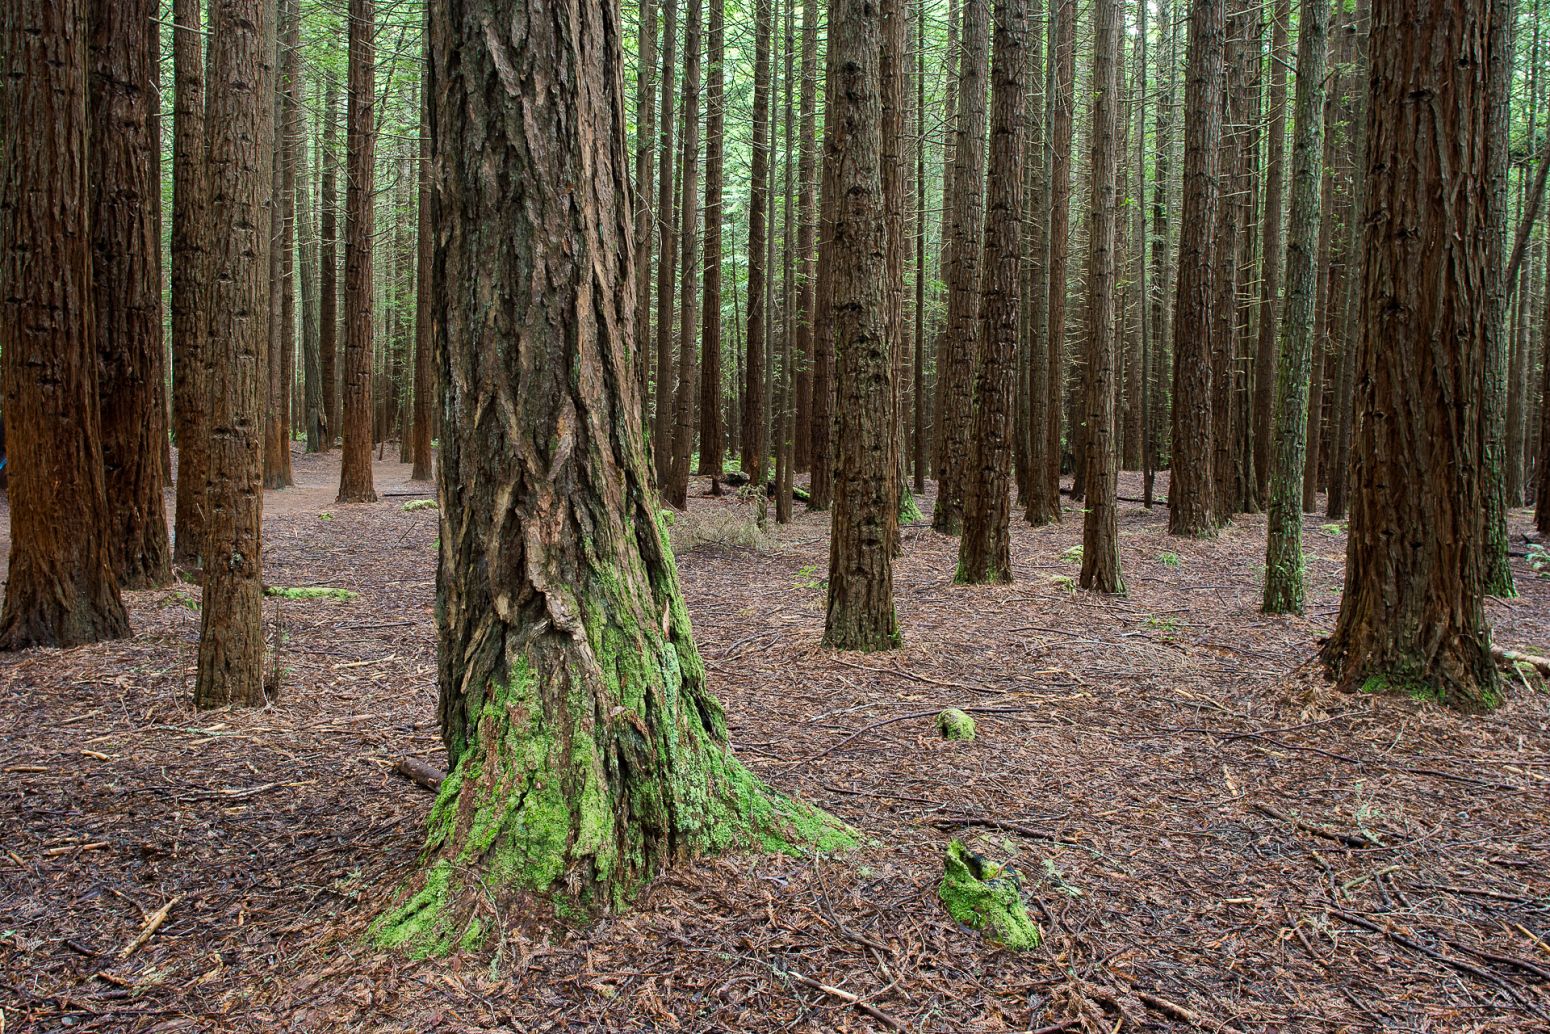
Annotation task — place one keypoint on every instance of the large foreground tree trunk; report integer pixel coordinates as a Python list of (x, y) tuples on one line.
[(60, 589), (585, 750), (860, 612), (355, 484), (231, 641), (984, 553), (1412, 617), (126, 287)]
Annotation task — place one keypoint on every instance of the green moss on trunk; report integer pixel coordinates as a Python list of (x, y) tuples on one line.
[(986, 896)]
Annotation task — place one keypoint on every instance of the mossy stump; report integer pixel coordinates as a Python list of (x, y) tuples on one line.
[(987, 897), (954, 724)]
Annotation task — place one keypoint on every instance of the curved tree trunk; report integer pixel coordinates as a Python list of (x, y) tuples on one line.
[(1412, 616), (586, 752)]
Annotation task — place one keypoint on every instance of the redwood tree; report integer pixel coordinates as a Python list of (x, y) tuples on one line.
[(124, 150), (984, 554), (424, 426), (231, 640), (1283, 550), (190, 242), (1412, 616), (958, 344), (586, 751), (1191, 487), (860, 613), (755, 421), (355, 483), (60, 588), (1100, 536)]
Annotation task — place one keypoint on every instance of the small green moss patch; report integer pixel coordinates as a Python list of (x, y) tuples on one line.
[(416, 505), (986, 896), (954, 724), (309, 592)]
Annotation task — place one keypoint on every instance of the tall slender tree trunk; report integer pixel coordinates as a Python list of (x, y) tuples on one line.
[(1270, 262), (1493, 412), (644, 202), (355, 480), (1283, 551), (807, 230), (676, 484), (328, 263), (1412, 616), (958, 344), (586, 751), (1345, 386), (307, 263), (821, 483), (785, 411), (712, 426), (425, 387), (668, 223), (984, 554), (1192, 493), (919, 386), (860, 613), (124, 157), (190, 275), (1162, 250), (282, 312), (1043, 505), (60, 588), (755, 420), (241, 84), (1100, 534)]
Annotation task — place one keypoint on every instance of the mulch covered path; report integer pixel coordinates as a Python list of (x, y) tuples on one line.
[(1211, 838)]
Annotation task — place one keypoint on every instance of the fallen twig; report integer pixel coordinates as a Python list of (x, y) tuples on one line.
[(152, 924), (845, 996)]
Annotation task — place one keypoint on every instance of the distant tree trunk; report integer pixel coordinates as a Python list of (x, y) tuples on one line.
[(328, 261), (125, 190), (1345, 386), (282, 334), (1034, 357), (307, 256), (668, 223), (1541, 499), (785, 413), (1043, 504), (919, 395), (1412, 617), (984, 554), (645, 216), (355, 482), (60, 589), (755, 440), (860, 613), (957, 345), (190, 274), (1100, 535), (1192, 486), (807, 230), (1224, 273), (1283, 552), (712, 427), (1498, 147), (1270, 263), (821, 483), (896, 203), (241, 84), (425, 388), (1162, 252), (676, 485), (586, 751)]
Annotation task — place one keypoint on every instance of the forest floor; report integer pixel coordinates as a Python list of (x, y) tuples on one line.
[(1210, 836)]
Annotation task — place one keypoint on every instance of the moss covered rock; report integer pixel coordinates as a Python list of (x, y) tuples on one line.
[(954, 724), (986, 896)]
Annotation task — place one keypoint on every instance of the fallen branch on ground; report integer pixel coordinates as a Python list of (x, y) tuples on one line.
[(420, 773)]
